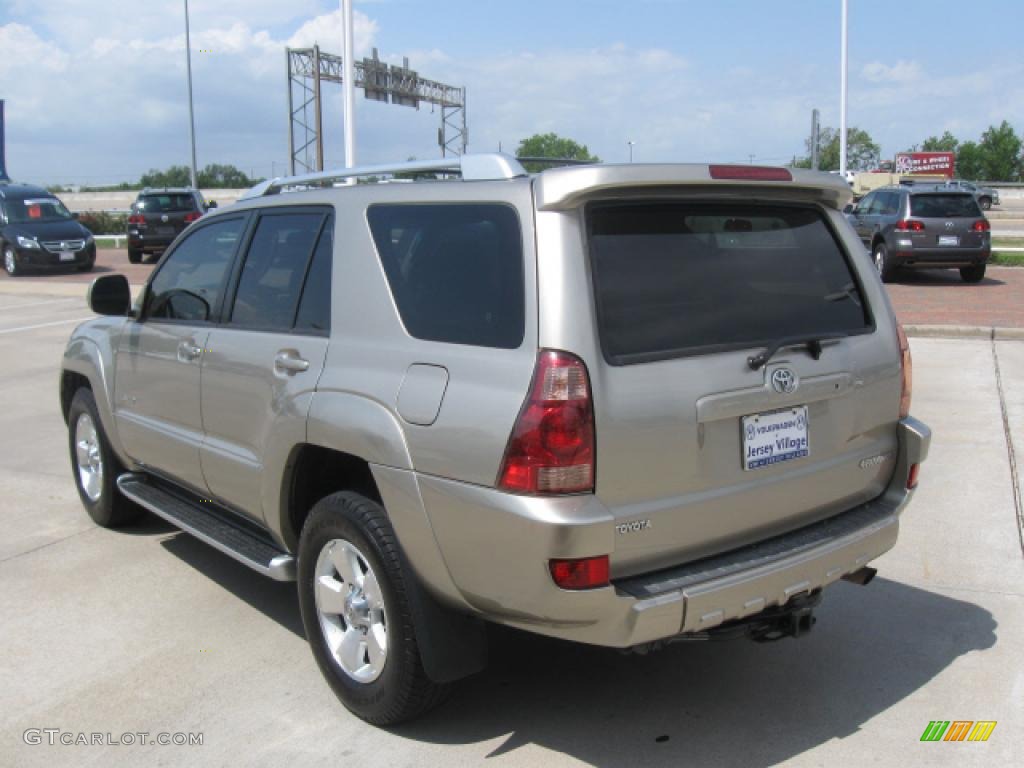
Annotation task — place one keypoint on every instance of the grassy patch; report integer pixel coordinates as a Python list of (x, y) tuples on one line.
[(108, 242), (1004, 259)]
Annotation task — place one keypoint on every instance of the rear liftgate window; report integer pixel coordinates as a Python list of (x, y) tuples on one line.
[(677, 279), (455, 270)]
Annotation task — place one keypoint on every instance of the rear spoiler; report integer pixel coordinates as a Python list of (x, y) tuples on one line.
[(563, 188)]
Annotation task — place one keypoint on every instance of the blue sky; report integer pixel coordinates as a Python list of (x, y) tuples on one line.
[(96, 96)]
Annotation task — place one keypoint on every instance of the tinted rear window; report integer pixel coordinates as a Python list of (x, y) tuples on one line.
[(943, 206), (675, 279), (455, 270), (165, 203)]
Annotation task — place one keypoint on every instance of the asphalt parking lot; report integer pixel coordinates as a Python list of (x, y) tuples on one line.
[(148, 630)]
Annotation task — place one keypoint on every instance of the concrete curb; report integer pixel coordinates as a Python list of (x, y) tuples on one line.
[(964, 332)]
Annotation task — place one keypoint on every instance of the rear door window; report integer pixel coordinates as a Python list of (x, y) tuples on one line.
[(274, 270), (455, 270), (944, 206), (676, 279)]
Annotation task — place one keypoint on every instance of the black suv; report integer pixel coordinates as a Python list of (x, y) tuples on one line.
[(923, 227), (36, 230), (159, 215)]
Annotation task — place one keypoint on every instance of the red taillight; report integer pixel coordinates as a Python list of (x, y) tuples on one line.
[(915, 470), (981, 225), (551, 449), (749, 173), (137, 219), (910, 225), (587, 573), (906, 366), (190, 217)]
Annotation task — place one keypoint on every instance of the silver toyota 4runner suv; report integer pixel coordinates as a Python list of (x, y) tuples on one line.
[(619, 405)]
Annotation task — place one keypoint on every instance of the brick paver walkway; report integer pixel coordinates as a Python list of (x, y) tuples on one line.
[(935, 297), (940, 297)]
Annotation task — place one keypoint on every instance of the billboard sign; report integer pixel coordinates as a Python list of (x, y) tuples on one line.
[(934, 163)]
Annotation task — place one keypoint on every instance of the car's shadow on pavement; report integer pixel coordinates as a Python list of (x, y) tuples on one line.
[(729, 703), (720, 703), (941, 277), (275, 599)]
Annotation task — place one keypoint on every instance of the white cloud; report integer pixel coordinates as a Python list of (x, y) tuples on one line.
[(900, 72)]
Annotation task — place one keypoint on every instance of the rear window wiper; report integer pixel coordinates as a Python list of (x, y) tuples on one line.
[(813, 344), (848, 291)]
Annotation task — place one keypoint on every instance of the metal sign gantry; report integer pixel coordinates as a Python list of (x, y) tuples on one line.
[(309, 67)]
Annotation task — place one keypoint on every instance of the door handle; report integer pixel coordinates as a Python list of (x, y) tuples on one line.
[(289, 362), (188, 351)]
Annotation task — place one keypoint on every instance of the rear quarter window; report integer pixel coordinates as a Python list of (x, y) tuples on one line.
[(455, 270), (676, 279)]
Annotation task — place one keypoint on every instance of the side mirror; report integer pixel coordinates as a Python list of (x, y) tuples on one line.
[(110, 295), (849, 208), (211, 204)]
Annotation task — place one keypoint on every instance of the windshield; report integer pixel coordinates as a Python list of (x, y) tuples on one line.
[(677, 278), (943, 206), (169, 203), (36, 209)]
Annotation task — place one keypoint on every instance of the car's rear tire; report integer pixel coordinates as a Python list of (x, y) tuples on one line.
[(134, 256), (880, 256), (94, 465), (985, 203), (973, 274), (11, 266), (356, 611)]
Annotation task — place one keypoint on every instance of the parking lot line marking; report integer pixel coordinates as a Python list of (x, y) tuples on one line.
[(38, 304), (45, 325)]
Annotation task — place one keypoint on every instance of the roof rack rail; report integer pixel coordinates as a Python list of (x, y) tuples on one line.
[(474, 167)]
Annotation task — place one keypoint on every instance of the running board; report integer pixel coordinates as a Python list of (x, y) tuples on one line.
[(206, 525)]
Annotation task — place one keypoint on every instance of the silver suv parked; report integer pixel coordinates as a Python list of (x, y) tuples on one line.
[(923, 227), (619, 405)]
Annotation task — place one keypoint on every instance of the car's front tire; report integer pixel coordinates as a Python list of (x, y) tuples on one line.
[(11, 266), (356, 611), (87, 266), (95, 466), (884, 265), (973, 274)]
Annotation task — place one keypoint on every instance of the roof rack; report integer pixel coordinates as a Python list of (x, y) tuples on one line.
[(478, 167)]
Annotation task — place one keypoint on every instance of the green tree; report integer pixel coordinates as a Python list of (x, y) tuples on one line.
[(970, 161), (554, 146), (175, 176), (1000, 153), (213, 176), (947, 142), (862, 153)]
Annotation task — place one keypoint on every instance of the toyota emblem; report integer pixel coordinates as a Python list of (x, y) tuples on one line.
[(784, 381)]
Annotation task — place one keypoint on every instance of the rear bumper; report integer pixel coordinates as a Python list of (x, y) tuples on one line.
[(496, 547), (145, 242), (927, 258)]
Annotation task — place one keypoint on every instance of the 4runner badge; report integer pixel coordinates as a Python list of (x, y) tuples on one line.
[(634, 526)]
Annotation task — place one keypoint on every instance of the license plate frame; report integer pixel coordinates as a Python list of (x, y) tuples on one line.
[(774, 437), (949, 241)]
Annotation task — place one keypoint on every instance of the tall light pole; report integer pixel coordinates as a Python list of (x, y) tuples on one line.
[(631, 143), (191, 115), (844, 62), (349, 82)]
